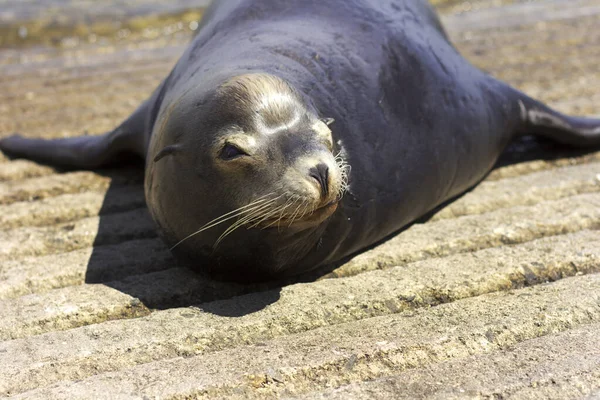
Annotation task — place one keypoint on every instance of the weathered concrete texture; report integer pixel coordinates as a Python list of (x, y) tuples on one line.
[(101, 264), (570, 370), (356, 351), (81, 352), (48, 186), (529, 189), (462, 6), (23, 169), (497, 295), (469, 233), (134, 224), (71, 207)]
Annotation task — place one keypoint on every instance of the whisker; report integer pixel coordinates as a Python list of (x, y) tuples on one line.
[(306, 211), (241, 222), (236, 213), (281, 212), (230, 215), (345, 169), (288, 206), (259, 200), (261, 210), (261, 218), (293, 218), (255, 214)]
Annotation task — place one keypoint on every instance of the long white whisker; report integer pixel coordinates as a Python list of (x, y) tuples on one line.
[(281, 211), (293, 218), (292, 203), (241, 222), (226, 217), (261, 218), (250, 216), (259, 200)]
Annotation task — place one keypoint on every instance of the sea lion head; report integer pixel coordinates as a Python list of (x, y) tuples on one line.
[(242, 178)]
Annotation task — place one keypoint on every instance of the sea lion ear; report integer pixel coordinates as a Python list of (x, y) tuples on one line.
[(328, 121), (167, 151)]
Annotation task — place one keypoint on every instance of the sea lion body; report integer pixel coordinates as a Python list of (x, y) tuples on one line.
[(416, 123)]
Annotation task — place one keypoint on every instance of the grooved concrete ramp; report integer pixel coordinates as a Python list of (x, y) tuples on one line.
[(497, 295)]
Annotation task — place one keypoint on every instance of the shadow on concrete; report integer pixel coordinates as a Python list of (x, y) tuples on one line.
[(141, 265)]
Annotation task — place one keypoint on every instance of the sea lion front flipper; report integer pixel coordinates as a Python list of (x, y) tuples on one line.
[(539, 119), (84, 152)]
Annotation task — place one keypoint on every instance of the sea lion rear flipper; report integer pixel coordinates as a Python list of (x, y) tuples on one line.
[(539, 119), (85, 152)]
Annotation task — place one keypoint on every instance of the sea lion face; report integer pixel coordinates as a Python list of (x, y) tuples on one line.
[(242, 183)]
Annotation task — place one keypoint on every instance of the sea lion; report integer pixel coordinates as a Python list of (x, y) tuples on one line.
[(293, 133)]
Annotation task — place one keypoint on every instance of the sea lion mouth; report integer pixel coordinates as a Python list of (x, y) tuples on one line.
[(321, 213), (316, 217)]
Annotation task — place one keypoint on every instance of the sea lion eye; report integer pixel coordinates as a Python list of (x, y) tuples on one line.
[(231, 151)]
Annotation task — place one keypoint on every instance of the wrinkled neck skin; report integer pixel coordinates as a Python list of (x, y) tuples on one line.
[(179, 208)]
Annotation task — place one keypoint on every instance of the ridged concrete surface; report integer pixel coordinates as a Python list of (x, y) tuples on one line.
[(497, 295)]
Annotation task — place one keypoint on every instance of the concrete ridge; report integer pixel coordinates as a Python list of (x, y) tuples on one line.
[(93, 264), (62, 238), (353, 351), (575, 358), (18, 169), (475, 232), (527, 189), (63, 81), (525, 168), (72, 207), (42, 187), (302, 307)]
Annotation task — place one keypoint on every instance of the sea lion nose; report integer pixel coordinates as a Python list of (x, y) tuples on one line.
[(321, 174)]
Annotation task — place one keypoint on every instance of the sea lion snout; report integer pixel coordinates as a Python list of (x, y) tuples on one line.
[(318, 176), (320, 173)]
